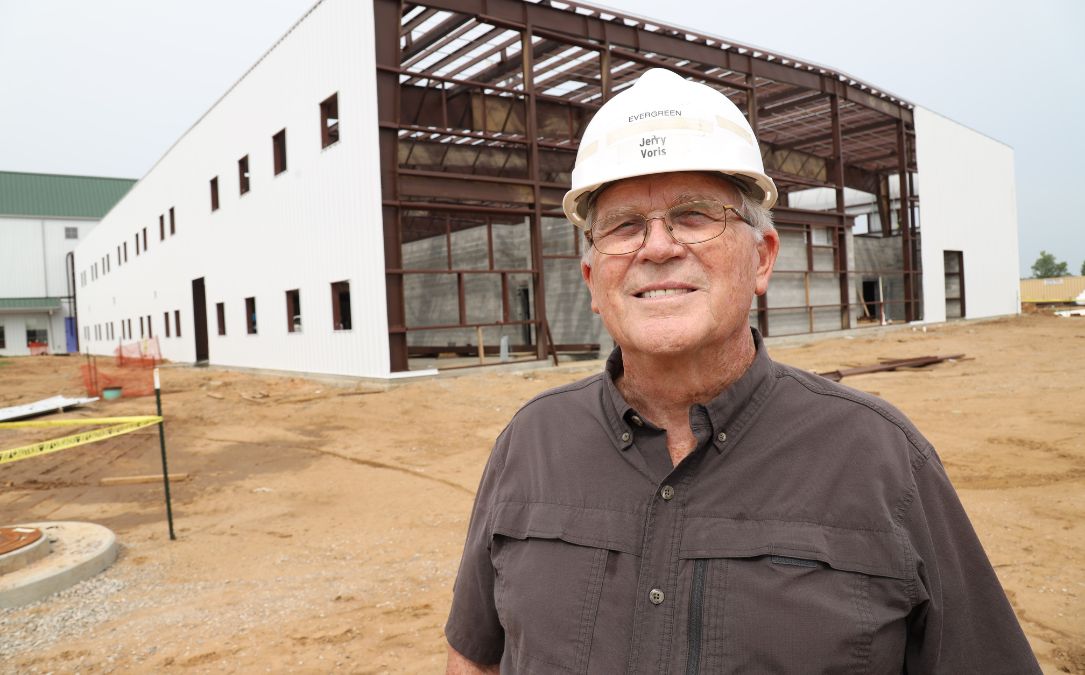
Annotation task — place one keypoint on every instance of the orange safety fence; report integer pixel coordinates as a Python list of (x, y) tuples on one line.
[(132, 370)]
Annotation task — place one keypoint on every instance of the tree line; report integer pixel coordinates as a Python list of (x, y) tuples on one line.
[(1046, 267)]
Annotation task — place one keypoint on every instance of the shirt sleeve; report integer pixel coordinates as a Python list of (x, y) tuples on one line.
[(962, 622), (473, 628)]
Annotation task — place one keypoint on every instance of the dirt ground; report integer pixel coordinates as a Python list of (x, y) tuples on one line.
[(321, 527)]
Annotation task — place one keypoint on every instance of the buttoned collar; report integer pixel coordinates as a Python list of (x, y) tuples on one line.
[(728, 412)]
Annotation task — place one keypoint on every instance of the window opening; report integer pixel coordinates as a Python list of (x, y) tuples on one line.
[(220, 314), (125, 251), (71, 232), (150, 333), (161, 227), (177, 322), (144, 240), (341, 305), (278, 149), (293, 311), (3, 340), (215, 193), (173, 223), (37, 331), (329, 120), (250, 316), (142, 330), (243, 174), (166, 321)]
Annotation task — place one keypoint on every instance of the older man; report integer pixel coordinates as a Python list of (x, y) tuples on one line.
[(697, 507)]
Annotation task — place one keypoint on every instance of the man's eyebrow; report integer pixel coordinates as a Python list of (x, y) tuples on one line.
[(691, 197)]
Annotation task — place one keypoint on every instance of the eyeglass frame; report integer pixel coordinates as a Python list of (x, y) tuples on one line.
[(669, 227)]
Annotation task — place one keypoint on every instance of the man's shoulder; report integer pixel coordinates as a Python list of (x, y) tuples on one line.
[(582, 392), (843, 403)]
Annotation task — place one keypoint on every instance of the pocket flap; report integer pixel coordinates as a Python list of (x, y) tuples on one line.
[(876, 552), (585, 526)]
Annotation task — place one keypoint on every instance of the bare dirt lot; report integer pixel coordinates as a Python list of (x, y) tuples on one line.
[(321, 526)]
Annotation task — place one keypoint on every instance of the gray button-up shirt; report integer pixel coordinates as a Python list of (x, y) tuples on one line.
[(813, 529)]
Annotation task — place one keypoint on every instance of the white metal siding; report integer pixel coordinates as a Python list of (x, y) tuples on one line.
[(316, 223), (969, 204)]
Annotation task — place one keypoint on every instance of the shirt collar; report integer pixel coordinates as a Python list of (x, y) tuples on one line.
[(729, 411)]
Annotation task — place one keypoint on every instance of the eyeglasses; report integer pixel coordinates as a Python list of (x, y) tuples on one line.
[(693, 222)]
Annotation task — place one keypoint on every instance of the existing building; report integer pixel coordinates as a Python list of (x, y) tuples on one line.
[(383, 188), (42, 219)]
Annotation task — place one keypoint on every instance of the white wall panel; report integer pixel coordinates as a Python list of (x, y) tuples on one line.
[(316, 223), (969, 204)]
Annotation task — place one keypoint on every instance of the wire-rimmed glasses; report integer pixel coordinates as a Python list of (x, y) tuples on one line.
[(626, 231)]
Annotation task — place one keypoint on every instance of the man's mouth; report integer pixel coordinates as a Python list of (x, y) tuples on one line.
[(663, 292)]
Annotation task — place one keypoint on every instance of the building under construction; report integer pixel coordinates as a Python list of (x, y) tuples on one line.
[(381, 193)]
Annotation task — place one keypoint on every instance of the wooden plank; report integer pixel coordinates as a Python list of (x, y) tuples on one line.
[(138, 480)]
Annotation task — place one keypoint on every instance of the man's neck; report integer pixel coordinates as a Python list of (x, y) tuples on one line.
[(662, 388)]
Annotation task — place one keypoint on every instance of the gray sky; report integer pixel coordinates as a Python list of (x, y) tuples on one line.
[(105, 87)]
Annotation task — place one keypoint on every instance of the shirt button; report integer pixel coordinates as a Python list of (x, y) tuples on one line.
[(721, 437), (666, 493), (655, 596), (625, 437)]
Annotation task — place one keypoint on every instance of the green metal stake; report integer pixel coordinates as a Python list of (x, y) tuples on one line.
[(162, 443)]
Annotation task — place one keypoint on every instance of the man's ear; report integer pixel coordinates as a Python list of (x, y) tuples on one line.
[(586, 271), (767, 250)]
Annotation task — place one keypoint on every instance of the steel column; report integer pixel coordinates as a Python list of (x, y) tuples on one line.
[(840, 232), (905, 224), (536, 217)]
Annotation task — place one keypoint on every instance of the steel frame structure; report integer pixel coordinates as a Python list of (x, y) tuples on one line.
[(481, 104)]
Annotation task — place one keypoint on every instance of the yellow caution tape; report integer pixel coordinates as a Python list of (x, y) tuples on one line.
[(119, 425)]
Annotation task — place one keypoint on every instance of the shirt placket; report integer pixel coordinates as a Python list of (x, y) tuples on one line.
[(655, 627)]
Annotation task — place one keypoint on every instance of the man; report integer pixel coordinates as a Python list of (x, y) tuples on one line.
[(697, 507)]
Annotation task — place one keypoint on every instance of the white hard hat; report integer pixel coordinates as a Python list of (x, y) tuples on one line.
[(665, 123)]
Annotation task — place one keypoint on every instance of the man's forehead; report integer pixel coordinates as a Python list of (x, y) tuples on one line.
[(667, 188)]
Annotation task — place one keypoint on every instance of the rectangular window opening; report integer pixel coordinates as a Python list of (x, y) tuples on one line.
[(250, 316), (278, 150), (293, 311), (215, 193), (177, 322), (329, 120), (173, 223), (341, 305), (125, 251), (142, 330), (144, 240), (220, 314), (150, 334), (166, 321), (161, 227), (243, 174), (71, 232)]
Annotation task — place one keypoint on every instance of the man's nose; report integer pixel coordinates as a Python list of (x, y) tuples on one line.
[(659, 244)]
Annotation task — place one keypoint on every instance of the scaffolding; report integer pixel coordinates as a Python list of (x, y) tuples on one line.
[(481, 104)]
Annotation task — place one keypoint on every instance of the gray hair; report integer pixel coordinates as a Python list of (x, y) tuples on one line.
[(752, 211)]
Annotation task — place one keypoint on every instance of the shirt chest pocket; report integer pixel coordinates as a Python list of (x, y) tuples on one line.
[(794, 597), (551, 562)]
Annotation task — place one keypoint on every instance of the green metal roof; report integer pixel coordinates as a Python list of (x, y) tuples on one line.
[(42, 194), (29, 303)]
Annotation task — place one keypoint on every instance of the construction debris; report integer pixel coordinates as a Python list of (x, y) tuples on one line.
[(889, 365), (46, 406), (138, 480)]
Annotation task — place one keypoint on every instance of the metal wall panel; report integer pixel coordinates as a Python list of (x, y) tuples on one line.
[(316, 223), (969, 205)]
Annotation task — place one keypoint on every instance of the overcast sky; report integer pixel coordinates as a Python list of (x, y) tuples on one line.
[(105, 87)]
